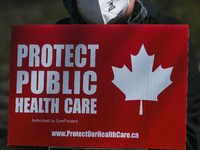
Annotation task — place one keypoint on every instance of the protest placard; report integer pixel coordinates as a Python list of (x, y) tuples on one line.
[(97, 86)]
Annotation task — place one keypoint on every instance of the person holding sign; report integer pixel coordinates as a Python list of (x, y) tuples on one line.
[(140, 12)]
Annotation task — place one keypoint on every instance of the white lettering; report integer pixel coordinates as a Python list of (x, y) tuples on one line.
[(66, 89), (89, 76), (53, 86), (58, 49), (19, 105), (68, 56), (68, 109), (79, 55), (34, 51), (80, 62), (93, 49), (22, 79), (22, 52), (47, 55), (34, 105), (37, 82), (77, 80), (80, 106)]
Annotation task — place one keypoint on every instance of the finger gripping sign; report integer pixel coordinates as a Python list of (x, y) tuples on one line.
[(96, 86)]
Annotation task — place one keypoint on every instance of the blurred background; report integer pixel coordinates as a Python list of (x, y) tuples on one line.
[(25, 12)]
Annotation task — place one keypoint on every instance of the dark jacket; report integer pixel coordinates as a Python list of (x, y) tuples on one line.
[(154, 16)]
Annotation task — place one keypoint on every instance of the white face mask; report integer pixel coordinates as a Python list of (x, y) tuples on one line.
[(103, 11)]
